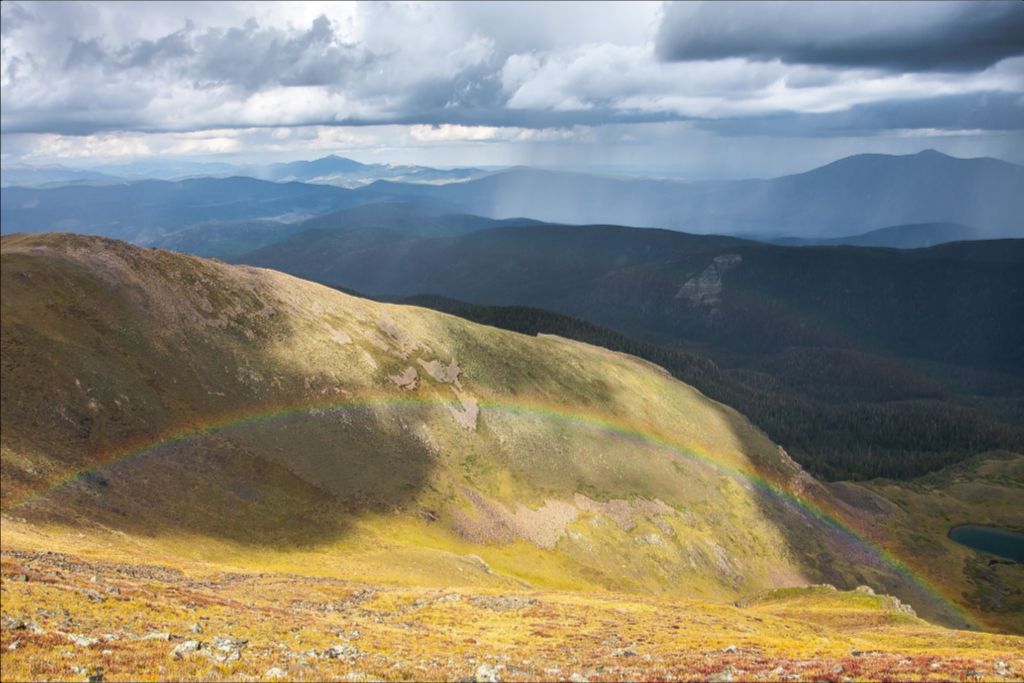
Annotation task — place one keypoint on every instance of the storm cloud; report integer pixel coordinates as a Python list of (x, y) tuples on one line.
[(907, 36), (118, 72)]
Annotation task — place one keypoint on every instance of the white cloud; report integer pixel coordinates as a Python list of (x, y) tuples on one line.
[(444, 73), (452, 132), (105, 146)]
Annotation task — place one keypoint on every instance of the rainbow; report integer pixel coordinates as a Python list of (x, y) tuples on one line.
[(819, 511)]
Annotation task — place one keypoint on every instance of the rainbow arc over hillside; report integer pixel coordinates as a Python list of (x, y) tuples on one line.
[(819, 511)]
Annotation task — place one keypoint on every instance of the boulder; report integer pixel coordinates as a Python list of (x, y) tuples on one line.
[(485, 674)]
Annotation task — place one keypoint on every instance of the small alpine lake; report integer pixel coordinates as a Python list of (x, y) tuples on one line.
[(991, 540)]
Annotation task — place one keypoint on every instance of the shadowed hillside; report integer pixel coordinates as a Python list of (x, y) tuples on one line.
[(862, 398), (861, 362)]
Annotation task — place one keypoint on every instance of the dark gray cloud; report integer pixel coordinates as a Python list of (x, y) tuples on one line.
[(85, 54), (14, 15), (903, 36), (254, 57), (147, 53), (250, 57)]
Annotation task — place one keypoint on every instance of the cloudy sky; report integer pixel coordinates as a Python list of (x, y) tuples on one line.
[(703, 90)]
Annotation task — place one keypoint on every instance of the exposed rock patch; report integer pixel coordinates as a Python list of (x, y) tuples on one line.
[(405, 343), (467, 415), (408, 379), (706, 288), (626, 512), (468, 410), (448, 374), (339, 336), (494, 522)]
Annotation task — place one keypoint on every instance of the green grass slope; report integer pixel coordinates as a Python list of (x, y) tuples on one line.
[(919, 513), (169, 404), (860, 362)]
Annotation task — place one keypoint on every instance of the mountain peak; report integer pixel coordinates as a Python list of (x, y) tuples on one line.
[(933, 154)]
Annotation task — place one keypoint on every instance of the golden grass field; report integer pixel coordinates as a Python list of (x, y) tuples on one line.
[(128, 618)]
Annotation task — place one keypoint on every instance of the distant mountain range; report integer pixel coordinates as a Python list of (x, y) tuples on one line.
[(21, 175), (363, 224), (335, 170), (329, 170), (848, 197), (895, 236), (144, 211)]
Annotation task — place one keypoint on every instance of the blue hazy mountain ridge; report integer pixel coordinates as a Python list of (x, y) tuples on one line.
[(22, 175), (360, 225), (336, 170), (914, 236), (146, 210), (300, 170), (329, 170), (850, 196)]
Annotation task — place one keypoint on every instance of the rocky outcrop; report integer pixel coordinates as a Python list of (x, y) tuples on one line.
[(408, 379), (706, 288)]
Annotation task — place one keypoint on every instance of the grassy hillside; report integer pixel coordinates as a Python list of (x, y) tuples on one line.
[(862, 399), (861, 362), (270, 468), (288, 412), (983, 490), (223, 411)]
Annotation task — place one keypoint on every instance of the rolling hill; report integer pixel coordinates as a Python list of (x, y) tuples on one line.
[(862, 362), (300, 408), (265, 410), (183, 439)]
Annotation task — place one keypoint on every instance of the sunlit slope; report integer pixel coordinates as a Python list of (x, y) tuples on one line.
[(159, 401), (918, 514), (328, 629)]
